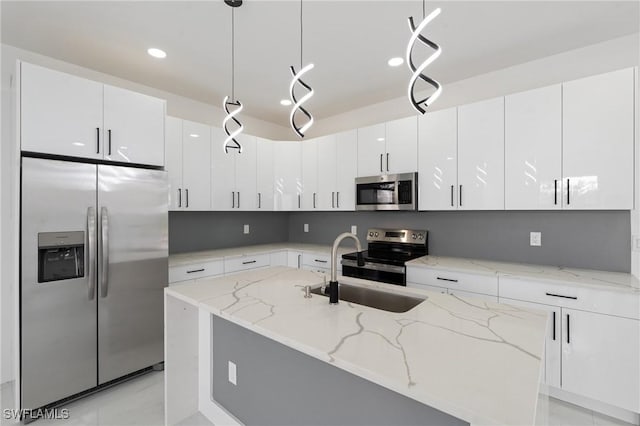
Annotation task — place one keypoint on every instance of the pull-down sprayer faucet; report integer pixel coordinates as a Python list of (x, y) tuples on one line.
[(333, 284)]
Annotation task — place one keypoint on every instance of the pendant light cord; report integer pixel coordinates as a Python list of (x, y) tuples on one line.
[(233, 55), (424, 8), (301, 34)]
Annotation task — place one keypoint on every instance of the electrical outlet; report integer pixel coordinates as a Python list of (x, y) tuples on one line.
[(306, 227), (233, 373), (354, 229), (246, 229), (535, 239)]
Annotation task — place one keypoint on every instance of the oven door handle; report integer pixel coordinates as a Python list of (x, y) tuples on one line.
[(375, 266)]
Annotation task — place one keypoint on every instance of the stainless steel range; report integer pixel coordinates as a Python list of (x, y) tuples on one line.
[(388, 250)]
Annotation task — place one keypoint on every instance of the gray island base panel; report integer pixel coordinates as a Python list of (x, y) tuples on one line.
[(277, 385)]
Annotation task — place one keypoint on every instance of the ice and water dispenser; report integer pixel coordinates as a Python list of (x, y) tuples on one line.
[(60, 256)]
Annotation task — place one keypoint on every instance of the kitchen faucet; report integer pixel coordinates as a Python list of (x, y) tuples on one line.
[(333, 283)]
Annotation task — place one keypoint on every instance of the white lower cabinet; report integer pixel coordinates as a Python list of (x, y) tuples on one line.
[(294, 259), (466, 285), (279, 258), (601, 357), (196, 270), (244, 263)]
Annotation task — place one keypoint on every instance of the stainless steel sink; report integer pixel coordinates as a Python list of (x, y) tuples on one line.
[(386, 301)]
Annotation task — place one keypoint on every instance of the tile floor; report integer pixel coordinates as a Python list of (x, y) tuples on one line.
[(139, 402)]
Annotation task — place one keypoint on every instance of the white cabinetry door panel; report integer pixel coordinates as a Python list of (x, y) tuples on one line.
[(223, 173), (437, 160), (481, 155), (287, 175), (533, 149), (264, 174), (173, 149), (371, 150), (245, 178), (553, 340), (309, 174), (60, 113), (196, 161), (600, 356), (346, 161), (598, 126), (401, 144), (294, 259), (327, 172), (133, 127)]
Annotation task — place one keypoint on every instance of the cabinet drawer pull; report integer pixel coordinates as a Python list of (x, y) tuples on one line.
[(561, 295), (238, 199), (320, 261), (186, 193), (248, 262), (451, 195), (333, 205), (554, 325), (338, 199), (460, 203), (298, 200), (195, 270), (233, 199), (179, 197), (387, 161), (555, 192), (97, 140), (451, 280), (381, 162), (568, 192), (259, 200), (568, 329), (314, 200), (109, 133)]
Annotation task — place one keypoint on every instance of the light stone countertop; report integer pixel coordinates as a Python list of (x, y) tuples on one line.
[(190, 258), (616, 281), (476, 360)]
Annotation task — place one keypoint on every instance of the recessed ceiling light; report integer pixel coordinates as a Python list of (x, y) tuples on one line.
[(395, 62), (157, 53), (194, 135), (285, 102)]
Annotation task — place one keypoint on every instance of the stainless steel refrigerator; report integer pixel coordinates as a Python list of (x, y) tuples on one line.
[(94, 250)]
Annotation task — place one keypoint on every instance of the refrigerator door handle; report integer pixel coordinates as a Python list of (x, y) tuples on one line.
[(91, 242), (104, 256)]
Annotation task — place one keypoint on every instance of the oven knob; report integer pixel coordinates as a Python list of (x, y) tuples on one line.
[(376, 234), (420, 236), (413, 236), (371, 234)]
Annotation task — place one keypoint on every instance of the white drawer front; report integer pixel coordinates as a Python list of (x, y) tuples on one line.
[(196, 270), (482, 284), (314, 260), (621, 304), (244, 263)]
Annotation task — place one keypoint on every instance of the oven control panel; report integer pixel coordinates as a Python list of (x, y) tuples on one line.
[(410, 236)]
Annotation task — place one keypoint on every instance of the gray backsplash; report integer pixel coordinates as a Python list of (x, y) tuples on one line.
[(580, 239), (193, 231)]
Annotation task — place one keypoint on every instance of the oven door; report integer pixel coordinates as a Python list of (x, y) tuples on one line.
[(387, 192), (390, 274)]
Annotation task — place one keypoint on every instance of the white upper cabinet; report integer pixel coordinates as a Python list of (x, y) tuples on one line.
[(437, 160), (328, 167), (173, 149), (196, 166), (533, 149), (310, 174), (388, 147), (233, 174), (401, 143), (60, 113), (66, 115), (264, 174), (287, 176), (598, 126), (371, 150), (481, 155), (346, 161), (133, 127)]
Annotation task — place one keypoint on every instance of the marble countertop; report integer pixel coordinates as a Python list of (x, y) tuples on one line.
[(219, 254), (616, 281), (476, 360)]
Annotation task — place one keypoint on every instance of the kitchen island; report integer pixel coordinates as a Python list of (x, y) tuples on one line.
[(464, 361)]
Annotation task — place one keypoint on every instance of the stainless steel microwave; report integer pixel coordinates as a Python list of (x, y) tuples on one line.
[(387, 192)]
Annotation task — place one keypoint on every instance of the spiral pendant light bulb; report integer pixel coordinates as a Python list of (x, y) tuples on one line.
[(418, 72), (297, 103), (231, 142)]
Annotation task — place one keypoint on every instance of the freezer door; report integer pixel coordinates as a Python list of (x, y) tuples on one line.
[(58, 276), (132, 268)]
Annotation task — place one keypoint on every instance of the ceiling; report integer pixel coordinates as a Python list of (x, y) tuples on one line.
[(349, 42)]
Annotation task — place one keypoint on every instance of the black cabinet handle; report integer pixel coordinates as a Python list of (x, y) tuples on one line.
[(338, 199), (563, 296), (554, 325), (451, 195), (555, 191), (109, 133), (259, 200), (195, 270), (321, 261), (387, 161), (314, 200), (186, 192), (97, 140), (248, 262), (332, 200), (233, 199), (380, 162), (238, 199), (568, 329), (179, 197), (460, 196), (568, 192), (298, 200), (447, 279)]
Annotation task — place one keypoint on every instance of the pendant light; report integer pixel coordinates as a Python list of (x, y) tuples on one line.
[(297, 103), (231, 105), (417, 72)]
